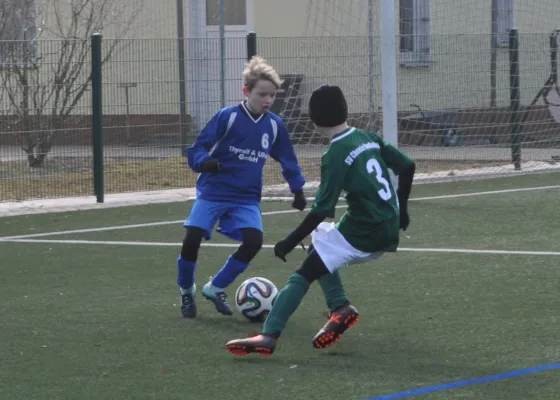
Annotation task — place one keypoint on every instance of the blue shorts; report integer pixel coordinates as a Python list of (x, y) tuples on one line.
[(231, 217)]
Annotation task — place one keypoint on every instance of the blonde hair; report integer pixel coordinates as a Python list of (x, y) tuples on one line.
[(256, 69)]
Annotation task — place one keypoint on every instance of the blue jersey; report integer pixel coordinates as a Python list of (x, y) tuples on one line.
[(242, 144)]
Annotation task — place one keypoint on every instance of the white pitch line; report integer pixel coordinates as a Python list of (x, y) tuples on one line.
[(88, 230), (454, 196), (108, 242), (119, 227), (270, 246), (477, 251), (161, 223), (119, 243)]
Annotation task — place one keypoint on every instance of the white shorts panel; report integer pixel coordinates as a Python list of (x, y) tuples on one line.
[(334, 249)]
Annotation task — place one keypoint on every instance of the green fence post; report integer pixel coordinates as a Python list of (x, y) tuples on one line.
[(251, 45), (554, 55), (97, 116), (515, 98)]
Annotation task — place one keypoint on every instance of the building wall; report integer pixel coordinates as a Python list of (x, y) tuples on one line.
[(142, 37), (458, 77), (298, 38)]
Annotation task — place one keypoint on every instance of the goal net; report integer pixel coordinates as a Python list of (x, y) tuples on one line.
[(473, 100)]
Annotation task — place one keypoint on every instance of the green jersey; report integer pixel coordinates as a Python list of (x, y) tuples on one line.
[(358, 162)]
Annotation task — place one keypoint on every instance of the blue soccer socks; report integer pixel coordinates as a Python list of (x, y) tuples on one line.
[(185, 274), (229, 273)]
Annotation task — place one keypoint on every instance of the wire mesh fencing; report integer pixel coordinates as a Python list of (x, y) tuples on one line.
[(454, 114)]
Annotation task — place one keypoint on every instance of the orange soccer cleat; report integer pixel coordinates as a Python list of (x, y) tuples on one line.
[(339, 321), (263, 345)]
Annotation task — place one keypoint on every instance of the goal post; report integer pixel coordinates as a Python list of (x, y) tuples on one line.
[(389, 71)]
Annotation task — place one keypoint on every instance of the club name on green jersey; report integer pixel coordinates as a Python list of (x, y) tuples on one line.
[(357, 163), (359, 150)]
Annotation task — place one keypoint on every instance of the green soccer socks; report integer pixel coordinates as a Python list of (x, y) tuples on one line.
[(286, 304), (332, 288)]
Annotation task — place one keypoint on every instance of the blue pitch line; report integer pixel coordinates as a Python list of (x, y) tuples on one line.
[(476, 381)]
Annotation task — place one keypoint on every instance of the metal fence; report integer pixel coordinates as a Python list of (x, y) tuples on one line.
[(462, 117)]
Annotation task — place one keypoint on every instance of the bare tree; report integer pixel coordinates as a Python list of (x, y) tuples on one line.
[(44, 81)]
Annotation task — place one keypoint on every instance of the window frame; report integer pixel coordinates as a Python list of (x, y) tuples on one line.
[(239, 14), (415, 47), (505, 21)]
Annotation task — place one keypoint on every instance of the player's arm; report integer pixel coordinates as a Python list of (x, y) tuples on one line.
[(333, 175), (403, 166), (197, 153), (283, 151)]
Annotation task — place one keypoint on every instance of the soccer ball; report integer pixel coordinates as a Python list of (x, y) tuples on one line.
[(255, 297)]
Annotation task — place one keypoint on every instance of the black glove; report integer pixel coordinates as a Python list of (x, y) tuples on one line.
[(304, 229), (211, 165), (403, 193), (299, 202), (405, 219), (283, 248)]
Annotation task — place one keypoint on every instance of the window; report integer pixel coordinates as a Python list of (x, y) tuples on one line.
[(415, 33), (235, 12), (18, 33), (503, 15)]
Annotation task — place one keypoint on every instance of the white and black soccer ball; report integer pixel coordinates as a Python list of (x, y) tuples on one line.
[(255, 297)]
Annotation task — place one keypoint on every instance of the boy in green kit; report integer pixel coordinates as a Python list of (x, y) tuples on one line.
[(358, 163)]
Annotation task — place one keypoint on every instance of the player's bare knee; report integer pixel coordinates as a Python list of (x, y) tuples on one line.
[(252, 244), (191, 243)]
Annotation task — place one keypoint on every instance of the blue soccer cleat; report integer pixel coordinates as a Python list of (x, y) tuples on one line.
[(218, 298), (188, 305)]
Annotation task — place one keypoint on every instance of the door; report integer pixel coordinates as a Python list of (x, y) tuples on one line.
[(215, 82)]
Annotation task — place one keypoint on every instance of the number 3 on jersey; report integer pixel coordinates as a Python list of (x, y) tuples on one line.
[(374, 166)]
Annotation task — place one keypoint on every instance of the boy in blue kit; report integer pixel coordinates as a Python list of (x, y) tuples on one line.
[(230, 154)]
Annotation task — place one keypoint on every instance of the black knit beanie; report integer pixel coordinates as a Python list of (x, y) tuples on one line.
[(327, 106)]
